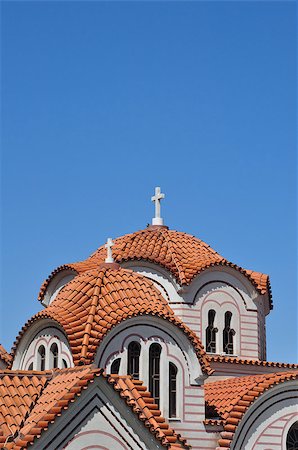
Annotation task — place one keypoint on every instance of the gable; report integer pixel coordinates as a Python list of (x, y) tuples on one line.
[(98, 416)]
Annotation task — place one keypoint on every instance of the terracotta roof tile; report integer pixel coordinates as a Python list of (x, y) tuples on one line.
[(5, 356), (184, 255), (53, 392), (90, 305), (141, 402), (18, 393), (232, 397), (253, 362)]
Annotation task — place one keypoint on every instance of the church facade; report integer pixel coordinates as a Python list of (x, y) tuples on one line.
[(154, 341)]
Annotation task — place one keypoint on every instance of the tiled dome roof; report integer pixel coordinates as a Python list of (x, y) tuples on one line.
[(184, 255), (91, 304)]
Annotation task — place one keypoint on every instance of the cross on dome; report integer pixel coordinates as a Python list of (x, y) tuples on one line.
[(108, 246), (157, 220)]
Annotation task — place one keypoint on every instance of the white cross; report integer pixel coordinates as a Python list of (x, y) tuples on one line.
[(157, 220), (108, 246)]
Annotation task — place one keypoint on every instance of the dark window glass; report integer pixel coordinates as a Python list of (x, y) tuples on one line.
[(31, 366), (172, 390), (133, 363), (228, 334), (292, 437), (211, 333), (154, 371), (42, 357), (115, 366), (54, 355), (64, 364)]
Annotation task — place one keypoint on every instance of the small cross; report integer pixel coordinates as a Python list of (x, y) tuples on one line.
[(157, 220), (108, 246)]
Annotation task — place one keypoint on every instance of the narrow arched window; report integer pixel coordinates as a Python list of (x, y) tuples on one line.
[(292, 437), (115, 366), (133, 361), (211, 333), (54, 355), (228, 334), (41, 357), (31, 366), (64, 364), (154, 371), (172, 390)]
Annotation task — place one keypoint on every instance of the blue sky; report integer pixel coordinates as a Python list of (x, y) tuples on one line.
[(102, 101)]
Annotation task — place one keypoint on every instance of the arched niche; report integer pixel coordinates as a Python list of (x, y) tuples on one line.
[(228, 276), (175, 348), (162, 278), (58, 281), (46, 333)]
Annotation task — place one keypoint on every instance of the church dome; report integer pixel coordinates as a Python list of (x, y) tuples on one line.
[(95, 301), (184, 255)]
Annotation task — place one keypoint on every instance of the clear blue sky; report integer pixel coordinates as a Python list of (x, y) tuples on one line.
[(102, 101)]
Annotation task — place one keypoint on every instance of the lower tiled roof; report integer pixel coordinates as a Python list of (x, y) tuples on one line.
[(19, 390), (90, 305), (253, 362), (184, 255), (232, 397), (31, 401)]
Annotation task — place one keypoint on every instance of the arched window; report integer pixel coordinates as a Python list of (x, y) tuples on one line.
[(133, 361), (228, 334), (172, 390), (154, 371), (211, 333), (54, 355), (30, 366), (115, 366), (64, 364), (292, 437), (41, 357)]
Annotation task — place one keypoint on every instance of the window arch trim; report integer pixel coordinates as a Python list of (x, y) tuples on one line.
[(41, 357), (154, 371), (228, 334), (210, 332), (133, 359)]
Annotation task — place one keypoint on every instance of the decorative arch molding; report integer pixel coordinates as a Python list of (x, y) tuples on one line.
[(229, 277), (134, 329), (42, 332), (159, 275), (277, 403), (57, 282), (177, 294), (89, 440), (175, 349)]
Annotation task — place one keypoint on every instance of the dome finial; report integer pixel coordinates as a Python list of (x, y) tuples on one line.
[(108, 246), (157, 220)]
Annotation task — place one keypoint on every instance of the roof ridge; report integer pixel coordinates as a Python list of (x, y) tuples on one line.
[(172, 254), (92, 311)]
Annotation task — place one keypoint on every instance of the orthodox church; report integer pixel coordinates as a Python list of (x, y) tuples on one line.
[(154, 341)]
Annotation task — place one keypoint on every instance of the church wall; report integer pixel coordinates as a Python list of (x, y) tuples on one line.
[(192, 426), (221, 289), (275, 433)]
